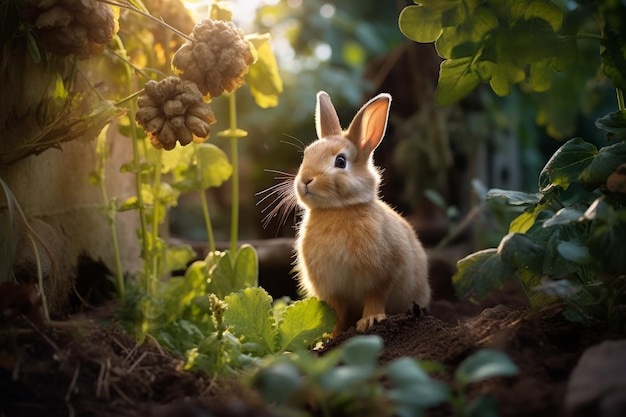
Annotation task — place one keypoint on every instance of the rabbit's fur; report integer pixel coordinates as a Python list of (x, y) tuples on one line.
[(353, 250)]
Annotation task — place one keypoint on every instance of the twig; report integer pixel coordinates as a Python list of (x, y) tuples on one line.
[(121, 394), (148, 16), (72, 385), (134, 365), (42, 335)]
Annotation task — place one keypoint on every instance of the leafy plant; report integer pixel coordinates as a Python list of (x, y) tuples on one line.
[(348, 381), (532, 44), (567, 240), (220, 321)]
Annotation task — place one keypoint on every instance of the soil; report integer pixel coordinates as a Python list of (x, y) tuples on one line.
[(79, 367)]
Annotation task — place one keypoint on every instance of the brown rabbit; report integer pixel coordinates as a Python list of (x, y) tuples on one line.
[(353, 250)]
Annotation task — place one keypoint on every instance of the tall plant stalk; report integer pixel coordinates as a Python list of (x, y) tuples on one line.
[(233, 138), (207, 221)]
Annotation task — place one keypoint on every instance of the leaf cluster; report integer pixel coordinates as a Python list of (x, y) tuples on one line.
[(348, 381), (514, 41), (217, 318), (570, 239)]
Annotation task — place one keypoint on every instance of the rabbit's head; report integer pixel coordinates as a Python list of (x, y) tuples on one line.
[(337, 169)]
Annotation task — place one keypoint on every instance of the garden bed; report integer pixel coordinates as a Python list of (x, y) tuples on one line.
[(85, 366)]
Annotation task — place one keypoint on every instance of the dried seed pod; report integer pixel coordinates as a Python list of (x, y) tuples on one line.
[(65, 27), (174, 110), (217, 59)]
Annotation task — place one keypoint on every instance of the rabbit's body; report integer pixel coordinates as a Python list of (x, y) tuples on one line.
[(353, 250)]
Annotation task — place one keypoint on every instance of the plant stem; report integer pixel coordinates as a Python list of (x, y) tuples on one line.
[(156, 208), (110, 212), (234, 225), (620, 99), (143, 232), (207, 220)]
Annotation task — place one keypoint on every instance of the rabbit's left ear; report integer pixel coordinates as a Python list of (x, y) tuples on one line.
[(326, 119), (368, 126)]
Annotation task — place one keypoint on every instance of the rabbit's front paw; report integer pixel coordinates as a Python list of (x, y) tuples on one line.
[(367, 322)]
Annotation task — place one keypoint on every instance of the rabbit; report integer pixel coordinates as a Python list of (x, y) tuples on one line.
[(353, 251)]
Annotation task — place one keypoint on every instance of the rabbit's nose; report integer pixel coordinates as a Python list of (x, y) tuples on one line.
[(307, 181)]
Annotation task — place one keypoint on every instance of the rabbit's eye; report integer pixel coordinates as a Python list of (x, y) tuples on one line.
[(340, 161)]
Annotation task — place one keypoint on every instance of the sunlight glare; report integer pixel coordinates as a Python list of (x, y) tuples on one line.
[(327, 10)]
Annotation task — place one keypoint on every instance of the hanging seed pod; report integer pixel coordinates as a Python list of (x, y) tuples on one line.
[(217, 59), (79, 27), (174, 110)]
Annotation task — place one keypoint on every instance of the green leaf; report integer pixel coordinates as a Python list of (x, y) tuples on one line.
[(574, 251), (343, 378), (412, 387), (263, 77), (614, 124), (484, 364), (501, 75), (177, 257), (131, 203), (526, 220), (514, 198), (246, 271), (603, 165), (423, 22), (456, 80), (303, 323), (362, 350), (479, 273), (249, 314), (209, 168), (219, 267), (519, 251), (566, 164), (548, 237), (540, 9), (178, 158), (564, 216), (279, 382), (468, 36), (541, 75)]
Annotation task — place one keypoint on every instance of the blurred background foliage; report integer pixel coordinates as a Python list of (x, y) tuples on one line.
[(353, 50)]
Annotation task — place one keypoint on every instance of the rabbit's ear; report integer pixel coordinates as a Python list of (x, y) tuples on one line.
[(326, 119), (368, 126)]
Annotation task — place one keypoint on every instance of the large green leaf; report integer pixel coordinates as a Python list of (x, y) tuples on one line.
[(249, 315), (479, 273), (423, 22), (604, 164), (545, 10), (246, 270), (519, 251), (303, 323), (209, 167), (566, 164), (614, 124), (413, 388), (263, 77), (484, 364), (467, 37), (456, 80)]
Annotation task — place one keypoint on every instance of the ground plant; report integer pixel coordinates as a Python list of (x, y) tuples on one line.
[(567, 239), (349, 381)]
